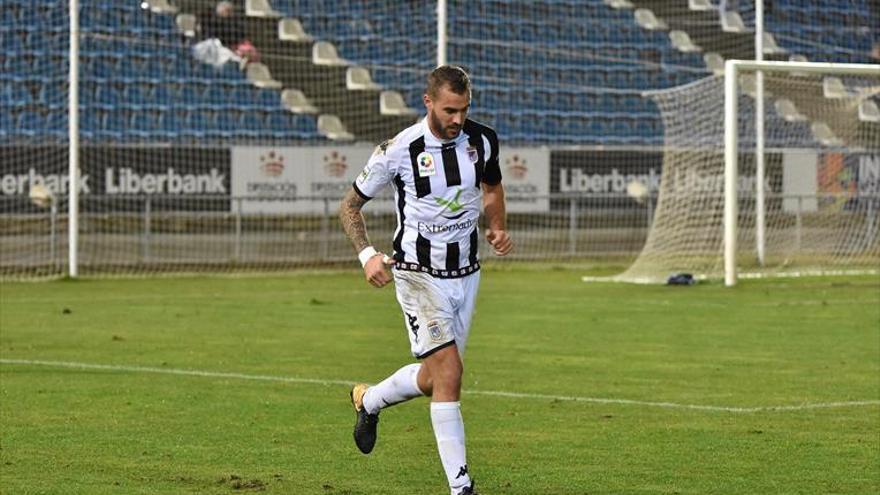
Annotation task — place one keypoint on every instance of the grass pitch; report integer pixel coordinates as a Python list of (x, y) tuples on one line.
[(571, 388)]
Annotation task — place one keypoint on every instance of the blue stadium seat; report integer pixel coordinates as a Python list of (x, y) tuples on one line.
[(597, 128), (53, 95), (195, 125), (136, 95), (621, 128), (215, 95), (144, 124), (91, 124), (166, 94), (243, 98), (269, 99), (7, 125), (107, 97), (8, 97), (226, 124), (30, 124), (9, 17), (193, 93), (251, 125), (171, 125), (116, 125)]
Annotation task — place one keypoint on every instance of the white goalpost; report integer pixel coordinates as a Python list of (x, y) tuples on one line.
[(732, 70), (816, 207)]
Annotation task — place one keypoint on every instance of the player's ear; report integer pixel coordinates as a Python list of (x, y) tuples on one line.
[(427, 100)]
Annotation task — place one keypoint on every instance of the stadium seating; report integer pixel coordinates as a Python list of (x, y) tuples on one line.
[(138, 81), (573, 74)]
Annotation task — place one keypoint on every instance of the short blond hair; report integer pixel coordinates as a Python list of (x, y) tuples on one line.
[(452, 76)]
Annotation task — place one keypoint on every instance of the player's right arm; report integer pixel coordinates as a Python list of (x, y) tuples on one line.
[(376, 175), (356, 229)]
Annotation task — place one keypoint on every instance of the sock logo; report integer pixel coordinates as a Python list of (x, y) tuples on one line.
[(462, 472), (413, 326)]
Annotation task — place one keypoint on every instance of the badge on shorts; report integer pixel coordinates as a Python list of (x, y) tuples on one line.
[(425, 164), (435, 331)]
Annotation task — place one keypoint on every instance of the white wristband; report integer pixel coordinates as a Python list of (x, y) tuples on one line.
[(367, 253)]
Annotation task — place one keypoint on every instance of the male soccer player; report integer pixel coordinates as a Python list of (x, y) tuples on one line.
[(441, 168)]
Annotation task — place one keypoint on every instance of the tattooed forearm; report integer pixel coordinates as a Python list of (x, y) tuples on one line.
[(353, 221)]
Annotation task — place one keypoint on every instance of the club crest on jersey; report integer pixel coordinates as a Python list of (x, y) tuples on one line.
[(425, 163), (472, 154)]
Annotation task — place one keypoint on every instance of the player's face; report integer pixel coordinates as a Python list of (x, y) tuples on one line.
[(447, 112)]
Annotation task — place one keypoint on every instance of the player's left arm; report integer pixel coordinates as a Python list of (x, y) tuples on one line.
[(495, 211)]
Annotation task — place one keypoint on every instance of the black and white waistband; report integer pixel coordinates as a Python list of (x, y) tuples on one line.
[(434, 272)]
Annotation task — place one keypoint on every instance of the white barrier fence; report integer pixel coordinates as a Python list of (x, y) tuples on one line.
[(141, 235)]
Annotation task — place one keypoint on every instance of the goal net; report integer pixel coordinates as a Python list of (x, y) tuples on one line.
[(820, 210)]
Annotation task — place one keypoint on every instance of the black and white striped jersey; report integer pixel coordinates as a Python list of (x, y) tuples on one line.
[(438, 194)]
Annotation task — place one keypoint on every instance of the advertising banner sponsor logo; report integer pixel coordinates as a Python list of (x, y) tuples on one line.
[(525, 175), (179, 179), (594, 175), (601, 172), (846, 180), (868, 177), (297, 179)]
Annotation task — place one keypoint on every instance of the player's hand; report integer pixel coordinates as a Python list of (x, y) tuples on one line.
[(376, 270), (500, 241)]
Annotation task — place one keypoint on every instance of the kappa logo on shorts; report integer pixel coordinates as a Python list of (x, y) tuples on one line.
[(413, 325), (435, 331)]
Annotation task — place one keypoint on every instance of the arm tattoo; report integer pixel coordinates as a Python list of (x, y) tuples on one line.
[(353, 221)]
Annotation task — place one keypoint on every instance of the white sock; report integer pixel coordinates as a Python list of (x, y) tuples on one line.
[(399, 387), (449, 432)]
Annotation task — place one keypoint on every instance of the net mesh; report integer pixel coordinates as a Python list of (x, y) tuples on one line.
[(822, 161), (232, 154)]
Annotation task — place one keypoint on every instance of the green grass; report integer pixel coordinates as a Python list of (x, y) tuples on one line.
[(545, 333)]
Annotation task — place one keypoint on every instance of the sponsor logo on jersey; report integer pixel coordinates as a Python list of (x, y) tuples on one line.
[(425, 164), (435, 228), (453, 205)]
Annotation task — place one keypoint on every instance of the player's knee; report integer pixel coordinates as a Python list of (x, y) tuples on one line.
[(449, 375)]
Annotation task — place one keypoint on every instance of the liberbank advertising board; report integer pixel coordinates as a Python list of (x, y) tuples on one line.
[(313, 179), (180, 179)]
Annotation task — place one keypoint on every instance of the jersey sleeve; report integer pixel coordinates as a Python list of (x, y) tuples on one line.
[(492, 172), (377, 173)]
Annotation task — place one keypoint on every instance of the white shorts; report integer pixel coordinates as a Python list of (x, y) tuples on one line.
[(436, 311)]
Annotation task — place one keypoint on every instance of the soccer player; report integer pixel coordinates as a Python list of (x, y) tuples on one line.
[(443, 169)]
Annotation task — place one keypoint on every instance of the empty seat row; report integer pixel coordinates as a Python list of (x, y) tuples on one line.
[(171, 125), (554, 100)]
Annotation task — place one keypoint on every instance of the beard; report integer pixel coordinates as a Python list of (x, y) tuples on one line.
[(446, 132)]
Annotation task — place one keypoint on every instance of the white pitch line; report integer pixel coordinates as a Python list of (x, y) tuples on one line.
[(490, 393)]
